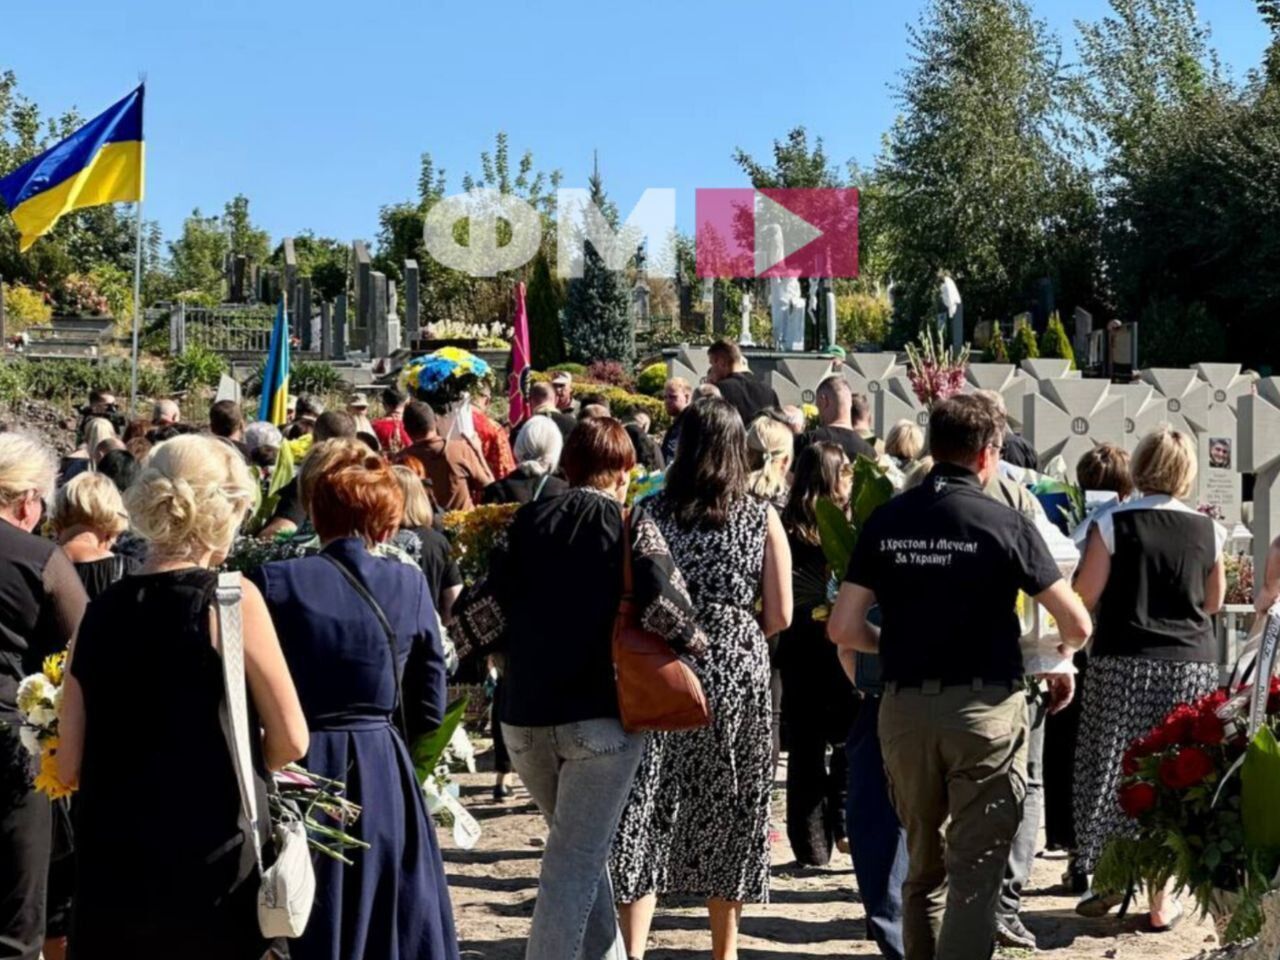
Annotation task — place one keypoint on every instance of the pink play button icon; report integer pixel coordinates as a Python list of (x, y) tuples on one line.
[(777, 233)]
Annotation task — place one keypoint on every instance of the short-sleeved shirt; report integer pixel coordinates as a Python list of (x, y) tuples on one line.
[(851, 442), (946, 562), (1162, 553), (457, 473), (437, 562)]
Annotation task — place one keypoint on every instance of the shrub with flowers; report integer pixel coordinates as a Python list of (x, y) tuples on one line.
[(1196, 821), (610, 372), (79, 296), (936, 371)]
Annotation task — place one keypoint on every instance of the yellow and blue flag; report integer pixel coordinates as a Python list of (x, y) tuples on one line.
[(274, 407), (102, 162)]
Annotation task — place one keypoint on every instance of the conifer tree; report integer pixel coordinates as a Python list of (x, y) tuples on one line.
[(597, 321)]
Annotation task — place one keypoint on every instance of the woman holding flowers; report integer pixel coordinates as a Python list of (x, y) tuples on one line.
[(361, 637), (162, 875), (41, 603), (1153, 571)]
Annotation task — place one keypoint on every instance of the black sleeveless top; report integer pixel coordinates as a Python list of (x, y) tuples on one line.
[(1162, 553), (164, 862)]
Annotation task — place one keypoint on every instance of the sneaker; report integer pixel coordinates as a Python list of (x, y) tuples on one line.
[(1010, 932)]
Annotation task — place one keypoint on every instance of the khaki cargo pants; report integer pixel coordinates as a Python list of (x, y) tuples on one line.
[(956, 759)]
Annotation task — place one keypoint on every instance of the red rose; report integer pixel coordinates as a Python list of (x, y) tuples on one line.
[(1132, 759), (1273, 700), (1208, 729), (1213, 702), (1155, 741), (1186, 768), (1177, 725), (1137, 798)]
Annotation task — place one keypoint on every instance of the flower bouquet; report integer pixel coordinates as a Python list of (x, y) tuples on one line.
[(39, 697), (473, 535), (1210, 832), (644, 484), (935, 371), (444, 378), (435, 756), (324, 812)]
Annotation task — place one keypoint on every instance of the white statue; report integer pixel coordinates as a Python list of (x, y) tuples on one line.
[(786, 304), (744, 335)]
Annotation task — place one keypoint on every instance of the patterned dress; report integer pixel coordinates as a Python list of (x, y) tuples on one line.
[(697, 821)]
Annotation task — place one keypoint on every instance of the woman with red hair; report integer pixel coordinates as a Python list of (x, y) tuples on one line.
[(359, 633)]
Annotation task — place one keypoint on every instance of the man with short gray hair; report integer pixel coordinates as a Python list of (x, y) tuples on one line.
[(165, 413)]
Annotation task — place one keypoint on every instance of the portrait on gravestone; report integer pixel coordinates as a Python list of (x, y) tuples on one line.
[(1220, 453)]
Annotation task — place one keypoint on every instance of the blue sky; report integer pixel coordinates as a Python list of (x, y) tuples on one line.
[(318, 111)]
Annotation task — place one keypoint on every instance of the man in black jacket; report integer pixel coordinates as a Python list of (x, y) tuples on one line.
[(737, 384)]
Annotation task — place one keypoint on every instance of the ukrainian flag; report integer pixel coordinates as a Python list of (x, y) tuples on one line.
[(274, 407), (102, 162)]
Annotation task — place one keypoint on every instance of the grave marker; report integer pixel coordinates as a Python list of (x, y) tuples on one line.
[(806, 373), (1005, 379), (340, 327), (1050, 368), (898, 402), (788, 391), (379, 341), (1069, 417), (326, 330), (1144, 410), (1259, 436), (303, 311), (1186, 403), (412, 314), (1216, 450), (363, 272)]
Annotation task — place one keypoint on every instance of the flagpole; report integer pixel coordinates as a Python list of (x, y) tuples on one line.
[(137, 312)]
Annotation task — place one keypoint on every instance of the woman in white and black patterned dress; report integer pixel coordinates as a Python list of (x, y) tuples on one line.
[(697, 822), (1153, 570)]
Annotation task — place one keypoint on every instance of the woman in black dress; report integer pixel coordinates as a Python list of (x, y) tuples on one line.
[(173, 876), (537, 453), (88, 517)]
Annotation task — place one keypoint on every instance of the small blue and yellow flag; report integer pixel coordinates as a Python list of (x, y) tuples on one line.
[(274, 407), (102, 162)]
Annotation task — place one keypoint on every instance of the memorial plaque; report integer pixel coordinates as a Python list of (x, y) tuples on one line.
[(1049, 368), (1216, 450), (1186, 408), (1259, 453), (1005, 379), (1144, 410), (1066, 418), (898, 402)]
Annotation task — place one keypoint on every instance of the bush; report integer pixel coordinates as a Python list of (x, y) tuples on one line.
[(1055, 343), (575, 370), (1024, 345), (79, 296), (652, 380), (622, 404), (69, 381), (609, 372), (314, 378), (1175, 334), (13, 385), (24, 307), (198, 367), (862, 318), (998, 348)]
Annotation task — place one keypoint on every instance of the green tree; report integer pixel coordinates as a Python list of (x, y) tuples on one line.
[(977, 176), (1024, 345), (543, 301), (997, 349), (1055, 343), (245, 239), (197, 257), (597, 324)]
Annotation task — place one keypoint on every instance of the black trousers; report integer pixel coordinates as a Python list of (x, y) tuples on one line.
[(817, 785), (26, 834), (1060, 733), (501, 759)]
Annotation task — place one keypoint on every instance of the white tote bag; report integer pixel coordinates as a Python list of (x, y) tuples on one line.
[(288, 887)]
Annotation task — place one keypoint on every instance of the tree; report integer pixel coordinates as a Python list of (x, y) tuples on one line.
[(1055, 343), (197, 258), (597, 324), (1024, 345), (977, 175), (543, 301), (795, 164), (997, 349), (245, 239)]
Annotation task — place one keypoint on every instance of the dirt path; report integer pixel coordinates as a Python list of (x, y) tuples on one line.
[(814, 913)]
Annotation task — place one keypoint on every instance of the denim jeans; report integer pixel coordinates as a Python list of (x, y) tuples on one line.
[(877, 840), (580, 776), (1022, 855)]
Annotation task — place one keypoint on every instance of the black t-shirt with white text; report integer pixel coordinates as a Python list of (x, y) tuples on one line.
[(946, 562)]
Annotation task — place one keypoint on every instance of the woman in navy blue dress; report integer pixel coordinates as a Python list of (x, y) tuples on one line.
[(393, 903)]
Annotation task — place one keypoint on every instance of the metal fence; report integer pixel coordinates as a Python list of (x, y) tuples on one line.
[(225, 329)]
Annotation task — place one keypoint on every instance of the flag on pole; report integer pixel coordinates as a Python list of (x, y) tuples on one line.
[(518, 383), (274, 407), (102, 162)]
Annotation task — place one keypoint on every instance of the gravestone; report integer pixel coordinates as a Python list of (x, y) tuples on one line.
[(254, 281), (1217, 447), (291, 279), (869, 372), (412, 310), (340, 327), (1005, 379), (228, 389), (380, 344), (898, 402), (363, 272), (1050, 368), (1259, 436), (1082, 326), (1186, 407), (239, 270), (1069, 417), (326, 330), (788, 391), (1144, 410), (303, 312), (690, 363), (806, 373)]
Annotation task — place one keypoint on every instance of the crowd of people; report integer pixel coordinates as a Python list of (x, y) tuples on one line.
[(915, 736)]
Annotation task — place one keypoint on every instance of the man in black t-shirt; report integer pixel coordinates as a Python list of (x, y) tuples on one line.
[(835, 401), (945, 563), (737, 384)]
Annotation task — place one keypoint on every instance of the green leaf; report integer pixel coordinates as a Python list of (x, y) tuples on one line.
[(1260, 792), (429, 748), (837, 534), (871, 489)]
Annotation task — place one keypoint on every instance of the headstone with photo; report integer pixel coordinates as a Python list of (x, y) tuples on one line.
[(897, 401), (1066, 418), (412, 310), (1005, 379), (1220, 486), (1186, 407), (1144, 410), (1259, 436)]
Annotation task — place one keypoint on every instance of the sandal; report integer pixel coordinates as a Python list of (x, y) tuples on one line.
[(1097, 905), (1173, 922)]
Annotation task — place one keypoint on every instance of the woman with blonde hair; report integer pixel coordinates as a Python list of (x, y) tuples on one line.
[(88, 517), (1153, 571), (426, 544), (145, 693), (770, 450), (84, 458), (905, 444)]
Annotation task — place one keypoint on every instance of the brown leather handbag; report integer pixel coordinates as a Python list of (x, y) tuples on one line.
[(657, 691)]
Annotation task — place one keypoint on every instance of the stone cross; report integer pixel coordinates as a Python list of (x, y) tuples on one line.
[(806, 373), (1144, 410), (1066, 418), (870, 373), (1186, 407), (1220, 483), (363, 273), (788, 391), (412, 310), (326, 330), (1005, 379), (1259, 436), (340, 327), (1050, 368), (898, 402), (691, 363)]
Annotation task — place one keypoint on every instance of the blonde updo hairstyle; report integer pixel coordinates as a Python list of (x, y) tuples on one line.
[(27, 465), (191, 497), (770, 448), (1165, 462), (91, 501)]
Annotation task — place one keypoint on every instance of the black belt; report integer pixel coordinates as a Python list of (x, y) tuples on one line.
[(931, 688)]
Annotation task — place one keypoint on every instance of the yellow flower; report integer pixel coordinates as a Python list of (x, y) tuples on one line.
[(54, 665), (47, 780), (300, 446)]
